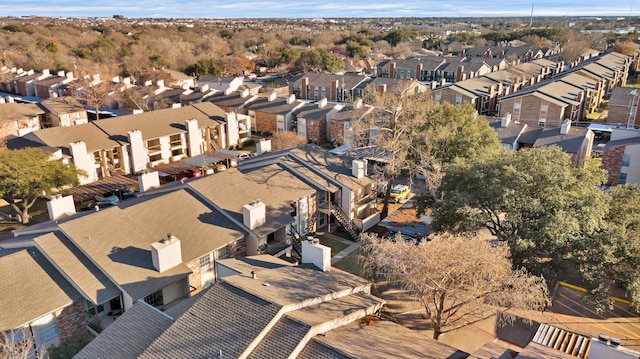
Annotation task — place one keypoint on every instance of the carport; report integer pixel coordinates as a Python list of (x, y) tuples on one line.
[(88, 191)]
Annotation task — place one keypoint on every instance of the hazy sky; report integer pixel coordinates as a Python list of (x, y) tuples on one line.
[(314, 8)]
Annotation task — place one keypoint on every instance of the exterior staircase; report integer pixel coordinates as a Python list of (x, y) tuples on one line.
[(296, 241), (345, 222)]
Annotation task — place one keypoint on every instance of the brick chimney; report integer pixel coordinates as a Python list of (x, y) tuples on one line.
[(459, 73), (418, 72), (334, 89), (382, 88), (304, 82), (392, 70)]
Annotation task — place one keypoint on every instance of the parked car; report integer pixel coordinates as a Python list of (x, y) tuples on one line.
[(100, 202), (220, 167), (122, 192), (400, 192)]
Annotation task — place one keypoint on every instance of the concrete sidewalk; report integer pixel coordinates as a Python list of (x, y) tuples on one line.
[(343, 253)]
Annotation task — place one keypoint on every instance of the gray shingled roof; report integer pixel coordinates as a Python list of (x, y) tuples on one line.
[(226, 319), (129, 335), (570, 143), (281, 340), (317, 350), (31, 288), (94, 285)]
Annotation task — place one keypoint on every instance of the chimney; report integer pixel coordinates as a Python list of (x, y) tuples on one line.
[(443, 82), (115, 79), (254, 214), (419, 72), (148, 83), (506, 119), (304, 82), (126, 80), (432, 85), (166, 253), (357, 103), (272, 96), (70, 75), (160, 83), (59, 206), (392, 70), (204, 88), (459, 73), (61, 73), (334, 89), (244, 93), (382, 88), (291, 99), (357, 168), (317, 254), (322, 103), (565, 127)]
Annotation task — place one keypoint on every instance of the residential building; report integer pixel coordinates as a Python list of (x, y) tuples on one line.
[(20, 119), (23, 82), (576, 141), (273, 114), (341, 122), (47, 87), (38, 301), (621, 157), (311, 121), (335, 88), (346, 195), (234, 101), (302, 313), (622, 107), (64, 112), (134, 143)]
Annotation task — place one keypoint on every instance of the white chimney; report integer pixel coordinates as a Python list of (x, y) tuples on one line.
[(126, 80), (160, 83), (176, 105), (254, 214), (291, 99), (244, 93), (358, 168), (272, 96), (148, 181), (357, 104), (263, 146), (322, 103), (59, 206), (506, 119), (565, 127), (61, 73), (204, 88), (148, 83), (316, 254), (166, 253)]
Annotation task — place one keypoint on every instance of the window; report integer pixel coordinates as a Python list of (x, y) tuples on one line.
[(622, 178), (47, 327), (154, 299), (91, 309), (222, 252), (205, 262), (438, 97), (626, 159), (458, 100), (516, 107), (543, 110), (542, 122)]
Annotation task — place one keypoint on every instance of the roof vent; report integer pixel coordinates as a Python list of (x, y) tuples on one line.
[(603, 337), (615, 342)]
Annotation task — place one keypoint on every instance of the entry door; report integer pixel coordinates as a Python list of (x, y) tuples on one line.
[(207, 272)]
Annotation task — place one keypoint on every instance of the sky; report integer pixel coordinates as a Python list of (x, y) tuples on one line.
[(314, 8)]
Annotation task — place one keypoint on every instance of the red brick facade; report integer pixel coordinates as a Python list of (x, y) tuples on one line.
[(612, 162), (266, 122), (336, 131), (317, 131), (235, 249), (70, 319), (621, 115), (530, 111)]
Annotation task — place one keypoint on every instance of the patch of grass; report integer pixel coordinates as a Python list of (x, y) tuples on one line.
[(70, 347), (335, 245), (351, 263), (341, 233)]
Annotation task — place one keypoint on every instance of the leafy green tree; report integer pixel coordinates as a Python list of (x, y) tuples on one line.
[(396, 36), (451, 132), (26, 175), (204, 67), (356, 50), (319, 60), (613, 256), (534, 200), (458, 281)]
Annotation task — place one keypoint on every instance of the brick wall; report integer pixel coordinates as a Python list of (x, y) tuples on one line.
[(317, 131), (530, 112), (612, 162), (336, 131), (266, 122), (70, 319)]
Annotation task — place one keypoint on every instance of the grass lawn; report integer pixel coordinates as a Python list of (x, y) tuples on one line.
[(351, 263), (70, 347), (336, 246)]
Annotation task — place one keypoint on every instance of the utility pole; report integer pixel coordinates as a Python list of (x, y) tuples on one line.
[(531, 20), (629, 17)]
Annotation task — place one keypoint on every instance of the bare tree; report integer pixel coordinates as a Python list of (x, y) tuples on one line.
[(286, 139), (393, 126), (95, 94), (19, 344), (458, 281)]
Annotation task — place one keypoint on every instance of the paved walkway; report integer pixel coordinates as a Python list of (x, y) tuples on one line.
[(343, 253)]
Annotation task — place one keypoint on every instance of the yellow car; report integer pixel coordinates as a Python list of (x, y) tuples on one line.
[(400, 192)]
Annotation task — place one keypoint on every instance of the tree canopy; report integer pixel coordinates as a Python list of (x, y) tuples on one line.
[(319, 60), (458, 281), (535, 200), (25, 175)]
